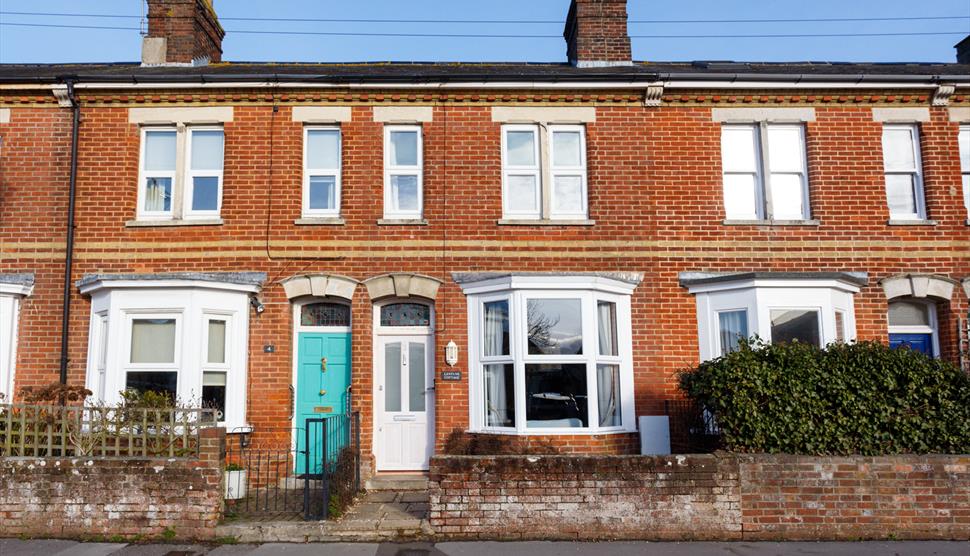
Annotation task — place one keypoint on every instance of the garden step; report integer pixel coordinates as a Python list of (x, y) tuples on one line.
[(410, 481)]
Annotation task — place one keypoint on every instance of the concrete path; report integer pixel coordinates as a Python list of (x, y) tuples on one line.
[(10, 547), (378, 516)]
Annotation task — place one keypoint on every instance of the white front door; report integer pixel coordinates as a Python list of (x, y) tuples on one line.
[(404, 403)]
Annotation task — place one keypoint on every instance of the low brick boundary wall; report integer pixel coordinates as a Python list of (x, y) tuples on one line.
[(104, 498), (720, 496), (808, 498), (585, 497)]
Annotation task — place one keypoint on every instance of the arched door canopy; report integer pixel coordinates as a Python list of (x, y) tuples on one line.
[(402, 285), (918, 286), (319, 285)]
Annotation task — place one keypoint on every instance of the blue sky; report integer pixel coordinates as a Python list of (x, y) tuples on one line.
[(23, 44)]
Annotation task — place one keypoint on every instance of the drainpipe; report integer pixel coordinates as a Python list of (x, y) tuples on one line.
[(69, 251)]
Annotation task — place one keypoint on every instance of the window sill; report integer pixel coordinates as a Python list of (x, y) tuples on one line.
[(729, 222), (170, 223), (320, 221), (544, 222), (402, 222), (892, 222), (552, 432)]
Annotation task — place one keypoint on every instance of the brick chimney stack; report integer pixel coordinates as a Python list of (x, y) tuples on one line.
[(182, 32), (596, 34), (963, 50)]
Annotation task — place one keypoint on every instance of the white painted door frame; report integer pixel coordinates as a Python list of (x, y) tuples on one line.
[(404, 334)]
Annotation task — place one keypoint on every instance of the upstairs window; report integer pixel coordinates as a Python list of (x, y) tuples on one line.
[(181, 173), (544, 173), (403, 173), (321, 172), (765, 175), (964, 141), (904, 172)]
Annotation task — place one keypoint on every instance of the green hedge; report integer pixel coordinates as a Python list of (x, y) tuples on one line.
[(861, 398)]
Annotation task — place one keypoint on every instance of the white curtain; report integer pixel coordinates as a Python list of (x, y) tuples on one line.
[(733, 327), (608, 388), (496, 402), (157, 195), (607, 327)]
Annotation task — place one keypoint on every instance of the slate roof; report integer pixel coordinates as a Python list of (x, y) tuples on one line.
[(410, 72)]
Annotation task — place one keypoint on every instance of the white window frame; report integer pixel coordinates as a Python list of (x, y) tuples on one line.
[(391, 170), (182, 176), (308, 173), (117, 302), (11, 296), (764, 209), (963, 141), (518, 290), (509, 170), (934, 324), (916, 172), (144, 175), (761, 296), (565, 171), (191, 174), (719, 347)]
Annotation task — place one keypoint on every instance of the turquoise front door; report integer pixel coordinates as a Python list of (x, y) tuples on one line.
[(322, 382)]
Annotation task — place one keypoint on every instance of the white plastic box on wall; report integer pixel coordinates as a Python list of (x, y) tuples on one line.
[(654, 435)]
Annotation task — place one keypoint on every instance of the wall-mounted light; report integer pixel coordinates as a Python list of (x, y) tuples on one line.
[(451, 354), (257, 305)]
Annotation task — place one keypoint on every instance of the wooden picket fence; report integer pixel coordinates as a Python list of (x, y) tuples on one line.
[(51, 431)]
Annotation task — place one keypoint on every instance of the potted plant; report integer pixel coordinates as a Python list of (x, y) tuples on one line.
[(235, 482)]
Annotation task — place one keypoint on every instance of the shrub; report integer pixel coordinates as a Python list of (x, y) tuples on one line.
[(861, 398)]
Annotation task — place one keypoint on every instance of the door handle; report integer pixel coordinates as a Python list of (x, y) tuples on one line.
[(323, 364)]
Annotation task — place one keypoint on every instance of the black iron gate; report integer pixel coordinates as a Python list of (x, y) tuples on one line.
[(270, 479)]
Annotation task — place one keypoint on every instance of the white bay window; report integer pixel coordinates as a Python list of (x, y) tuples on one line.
[(813, 308), (550, 354), (183, 336)]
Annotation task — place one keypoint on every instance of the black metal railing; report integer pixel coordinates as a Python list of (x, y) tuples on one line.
[(693, 429), (312, 472)]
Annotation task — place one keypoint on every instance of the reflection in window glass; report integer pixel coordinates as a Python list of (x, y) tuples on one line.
[(556, 396), (800, 325), (214, 393), (606, 313), (733, 326), (500, 395), (161, 383), (217, 342), (325, 314), (406, 314), (521, 148), (840, 334), (404, 148), (153, 341), (555, 327)]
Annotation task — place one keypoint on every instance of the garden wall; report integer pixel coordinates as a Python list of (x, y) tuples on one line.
[(105, 498), (720, 496)]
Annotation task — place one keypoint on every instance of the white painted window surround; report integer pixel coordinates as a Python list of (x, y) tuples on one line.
[(403, 172), (765, 171), (762, 302), (904, 171), (964, 142), (550, 355), (180, 172), (10, 299), (200, 332)]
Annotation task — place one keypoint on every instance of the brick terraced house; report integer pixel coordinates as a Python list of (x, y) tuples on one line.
[(507, 248)]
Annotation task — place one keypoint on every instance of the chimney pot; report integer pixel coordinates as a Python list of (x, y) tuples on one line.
[(596, 34), (963, 50), (182, 32)]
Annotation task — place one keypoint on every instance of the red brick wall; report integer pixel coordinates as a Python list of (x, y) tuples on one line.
[(655, 192), (95, 498), (588, 498), (717, 497), (902, 497)]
